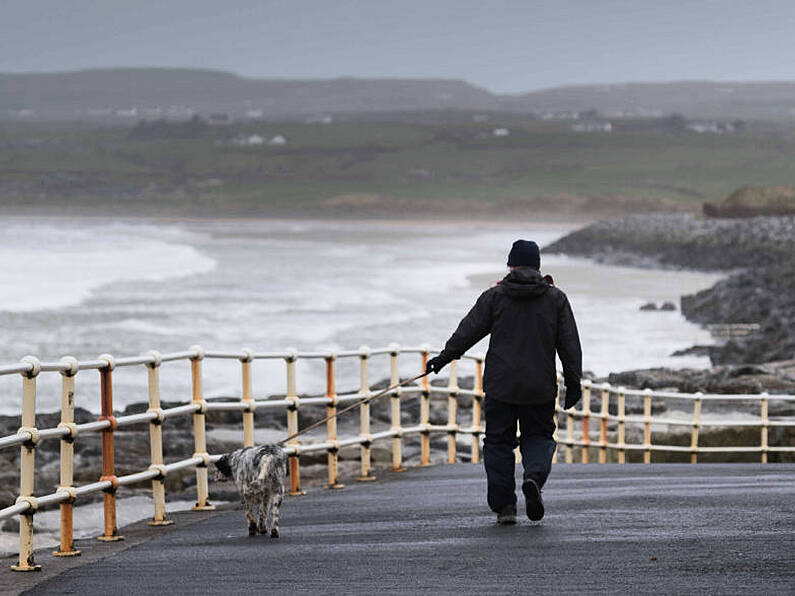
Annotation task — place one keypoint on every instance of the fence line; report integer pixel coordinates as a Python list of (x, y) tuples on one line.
[(67, 431)]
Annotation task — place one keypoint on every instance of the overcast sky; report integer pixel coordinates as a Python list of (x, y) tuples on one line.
[(505, 46)]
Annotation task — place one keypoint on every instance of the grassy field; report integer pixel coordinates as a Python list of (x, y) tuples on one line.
[(444, 165)]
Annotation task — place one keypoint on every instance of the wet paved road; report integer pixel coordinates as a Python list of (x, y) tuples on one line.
[(622, 529)]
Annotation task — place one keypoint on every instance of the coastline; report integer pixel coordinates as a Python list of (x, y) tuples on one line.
[(756, 254)]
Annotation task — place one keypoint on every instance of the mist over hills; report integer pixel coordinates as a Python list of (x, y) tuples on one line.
[(154, 92)]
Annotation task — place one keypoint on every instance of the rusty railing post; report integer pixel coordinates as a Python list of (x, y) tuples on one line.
[(67, 548), (425, 412), (604, 416), (27, 467), (246, 398), (199, 432), (331, 426), (477, 410), (647, 426), (366, 473), (395, 421), (111, 531), (452, 413), (586, 421), (695, 427), (292, 424), (156, 442)]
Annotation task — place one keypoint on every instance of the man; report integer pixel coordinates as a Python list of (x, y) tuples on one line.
[(529, 320)]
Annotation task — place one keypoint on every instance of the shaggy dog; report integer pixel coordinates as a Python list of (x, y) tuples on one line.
[(259, 474)]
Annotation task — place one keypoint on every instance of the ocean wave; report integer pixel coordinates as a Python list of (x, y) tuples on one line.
[(46, 267)]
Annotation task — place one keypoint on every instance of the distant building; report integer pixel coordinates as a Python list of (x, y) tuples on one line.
[(563, 115), (218, 119), (320, 119), (500, 132), (717, 128), (254, 114), (278, 140), (126, 112), (592, 126), (249, 140)]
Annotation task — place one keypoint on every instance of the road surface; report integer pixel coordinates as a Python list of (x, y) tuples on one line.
[(662, 529)]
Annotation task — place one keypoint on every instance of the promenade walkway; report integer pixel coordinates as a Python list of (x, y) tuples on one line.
[(660, 529)]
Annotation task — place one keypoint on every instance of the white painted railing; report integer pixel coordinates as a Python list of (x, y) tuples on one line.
[(28, 436)]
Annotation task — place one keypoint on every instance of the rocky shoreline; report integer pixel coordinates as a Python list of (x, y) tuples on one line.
[(758, 255)]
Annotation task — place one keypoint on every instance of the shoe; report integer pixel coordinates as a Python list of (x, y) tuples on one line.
[(533, 500), (507, 517)]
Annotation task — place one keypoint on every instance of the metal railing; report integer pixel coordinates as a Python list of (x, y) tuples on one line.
[(28, 436)]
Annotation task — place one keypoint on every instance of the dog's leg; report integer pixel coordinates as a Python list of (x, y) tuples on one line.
[(277, 501), (250, 518), (262, 518)]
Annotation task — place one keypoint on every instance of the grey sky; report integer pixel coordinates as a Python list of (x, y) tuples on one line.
[(504, 46)]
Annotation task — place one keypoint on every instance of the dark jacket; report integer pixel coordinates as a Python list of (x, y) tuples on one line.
[(529, 320)]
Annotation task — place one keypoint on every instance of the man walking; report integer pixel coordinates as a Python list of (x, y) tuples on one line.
[(529, 320)]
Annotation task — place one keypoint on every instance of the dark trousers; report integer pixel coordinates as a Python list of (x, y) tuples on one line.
[(536, 426)]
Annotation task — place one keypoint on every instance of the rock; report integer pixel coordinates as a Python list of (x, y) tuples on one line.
[(720, 379), (752, 201), (761, 294), (649, 306), (668, 306)]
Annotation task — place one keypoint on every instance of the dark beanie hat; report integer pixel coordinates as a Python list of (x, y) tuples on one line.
[(524, 253)]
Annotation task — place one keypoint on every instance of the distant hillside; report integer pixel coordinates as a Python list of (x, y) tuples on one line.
[(95, 92), (177, 93), (753, 101)]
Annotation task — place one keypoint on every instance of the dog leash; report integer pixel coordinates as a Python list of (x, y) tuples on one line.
[(366, 400)]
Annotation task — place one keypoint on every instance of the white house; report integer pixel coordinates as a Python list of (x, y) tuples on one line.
[(249, 140), (500, 132), (592, 126), (278, 140)]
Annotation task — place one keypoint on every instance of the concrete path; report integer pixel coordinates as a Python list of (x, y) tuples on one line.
[(662, 529)]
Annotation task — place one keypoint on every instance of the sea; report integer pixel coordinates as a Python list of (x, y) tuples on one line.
[(124, 286)]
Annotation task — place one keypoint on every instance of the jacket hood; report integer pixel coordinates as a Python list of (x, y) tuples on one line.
[(524, 282)]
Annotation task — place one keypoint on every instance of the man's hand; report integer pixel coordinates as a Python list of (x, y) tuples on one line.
[(573, 395), (435, 365)]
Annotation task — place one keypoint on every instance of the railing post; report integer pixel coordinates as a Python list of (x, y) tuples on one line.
[(246, 398), (555, 422), (452, 413), (477, 410), (199, 432), (763, 414), (425, 412), (111, 531), (604, 416), (292, 425), (569, 437), (395, 422), (696, 424), (366, 474), (27, 470), (647, 426), (331, 425), (622, 424), (67, 548), (156, 442), (586, 420)]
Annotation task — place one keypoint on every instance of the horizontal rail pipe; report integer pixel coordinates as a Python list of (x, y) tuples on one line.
[(612, 425)]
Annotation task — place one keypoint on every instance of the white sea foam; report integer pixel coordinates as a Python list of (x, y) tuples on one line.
[(51, 267), (314, 285)]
